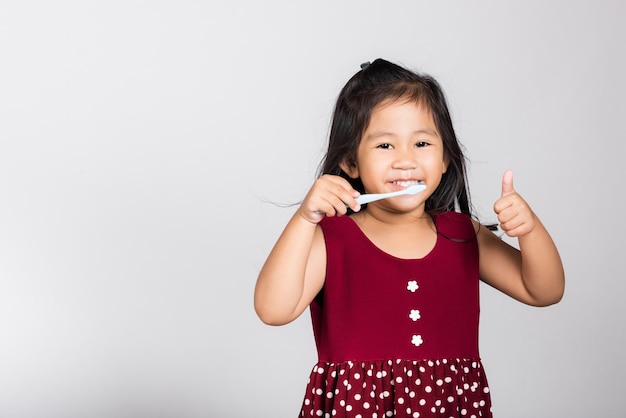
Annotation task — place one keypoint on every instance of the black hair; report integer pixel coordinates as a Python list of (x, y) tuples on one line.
[(382, 81)]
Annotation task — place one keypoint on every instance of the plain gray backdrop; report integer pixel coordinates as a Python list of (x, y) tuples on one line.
[(144, 146)]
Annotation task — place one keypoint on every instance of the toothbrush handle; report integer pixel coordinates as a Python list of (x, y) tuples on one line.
[(367, 198), (372, 197)]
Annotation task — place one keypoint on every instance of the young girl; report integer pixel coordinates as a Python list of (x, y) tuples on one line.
[(393, 287)]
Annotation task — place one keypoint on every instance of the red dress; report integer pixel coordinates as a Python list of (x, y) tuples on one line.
[(398, 337)]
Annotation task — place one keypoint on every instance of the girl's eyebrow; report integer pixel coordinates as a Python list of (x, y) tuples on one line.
[(379, 134)]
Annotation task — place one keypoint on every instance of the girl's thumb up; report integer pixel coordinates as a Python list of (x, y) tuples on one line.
[(507, 183)]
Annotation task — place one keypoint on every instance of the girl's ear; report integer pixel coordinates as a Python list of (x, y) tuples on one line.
[(350, 168)]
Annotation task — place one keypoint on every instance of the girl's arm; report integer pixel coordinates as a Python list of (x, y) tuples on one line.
[(533, 274), (294, 272)]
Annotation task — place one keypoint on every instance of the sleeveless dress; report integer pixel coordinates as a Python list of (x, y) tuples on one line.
[(398, 337)]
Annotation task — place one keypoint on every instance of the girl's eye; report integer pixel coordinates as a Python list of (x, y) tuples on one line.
[(385, 146), (421, 144)]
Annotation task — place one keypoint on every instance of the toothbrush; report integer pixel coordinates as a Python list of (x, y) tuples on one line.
[(372, 197), (412, 189)]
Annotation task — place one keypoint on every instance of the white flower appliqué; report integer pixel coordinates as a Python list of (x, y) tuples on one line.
[(417, 340), (415, 314), (412, 286)]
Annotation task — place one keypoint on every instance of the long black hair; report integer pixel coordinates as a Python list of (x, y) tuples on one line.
[(380, 81)]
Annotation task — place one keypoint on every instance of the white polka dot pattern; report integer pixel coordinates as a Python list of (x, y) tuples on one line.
[(398, 388)]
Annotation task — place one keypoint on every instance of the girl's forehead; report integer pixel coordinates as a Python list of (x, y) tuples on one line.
[(389, 109), (402, 119)]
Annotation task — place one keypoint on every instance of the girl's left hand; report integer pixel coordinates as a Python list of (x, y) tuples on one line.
[(515, 216)]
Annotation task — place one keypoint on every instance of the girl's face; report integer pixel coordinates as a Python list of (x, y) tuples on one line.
[(401, 146)]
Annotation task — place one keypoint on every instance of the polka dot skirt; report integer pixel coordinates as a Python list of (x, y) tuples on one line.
[(399, 388)]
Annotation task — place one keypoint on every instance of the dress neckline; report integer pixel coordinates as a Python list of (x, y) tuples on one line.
[(387, 254)]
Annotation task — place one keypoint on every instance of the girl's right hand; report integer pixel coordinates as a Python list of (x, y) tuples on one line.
[(329, 196)]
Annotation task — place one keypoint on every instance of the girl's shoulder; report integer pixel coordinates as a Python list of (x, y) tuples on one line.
[(331, 225), (453, 218), (455, 225)]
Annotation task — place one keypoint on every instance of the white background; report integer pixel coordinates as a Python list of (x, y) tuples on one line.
[(146, 148)]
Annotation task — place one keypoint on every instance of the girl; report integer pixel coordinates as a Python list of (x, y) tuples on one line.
[(393, 287)]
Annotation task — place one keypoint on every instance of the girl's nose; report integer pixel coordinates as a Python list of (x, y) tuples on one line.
[(405, 161)]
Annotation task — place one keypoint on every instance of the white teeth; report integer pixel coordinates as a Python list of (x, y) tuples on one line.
[(406, 183)]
